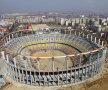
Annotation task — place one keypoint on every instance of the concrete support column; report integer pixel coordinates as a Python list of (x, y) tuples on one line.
[(19, 74), (58, 76), (99, 42), (102, 43), (48, 78), (12, 76), (39, 69), (53, 64), (79, 34), (92, 67), (87, 36), (21, 34), (27, 76), (89, 66), (70, 32), (75, 32), (35, 77), (13, 69), (95, 39), (9, 71), (12, 36), (98, 62), (7, 68), (95, 66), (23, 75), (38, 64), (7, 56), (71, 75), (67, 58), (16, 74), (75, 75), (62, 78), (79, 66), (44, 78), (15, 62), (83, 35), (31, 78), (91, 37), (82, 72), (103, 56), (16, 35), (53, 77), (25, 64), (86, 71), (9, 38), (3, 54)]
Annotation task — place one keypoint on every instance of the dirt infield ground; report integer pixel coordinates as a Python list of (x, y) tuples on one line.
[(46, 64)]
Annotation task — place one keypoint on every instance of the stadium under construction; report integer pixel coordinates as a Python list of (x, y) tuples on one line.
[(52, 57)]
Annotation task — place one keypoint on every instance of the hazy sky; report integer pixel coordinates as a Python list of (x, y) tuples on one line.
[(53, 5)]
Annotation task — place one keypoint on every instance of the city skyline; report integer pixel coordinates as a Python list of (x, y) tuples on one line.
[(97, 6)]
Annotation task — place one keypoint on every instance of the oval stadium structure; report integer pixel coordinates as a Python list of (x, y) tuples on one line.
[(52, 57)]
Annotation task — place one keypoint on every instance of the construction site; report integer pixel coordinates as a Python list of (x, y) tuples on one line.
[(53, 58)]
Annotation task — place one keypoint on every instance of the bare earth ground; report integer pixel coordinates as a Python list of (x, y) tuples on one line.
[(46, 64), (39, 26)]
